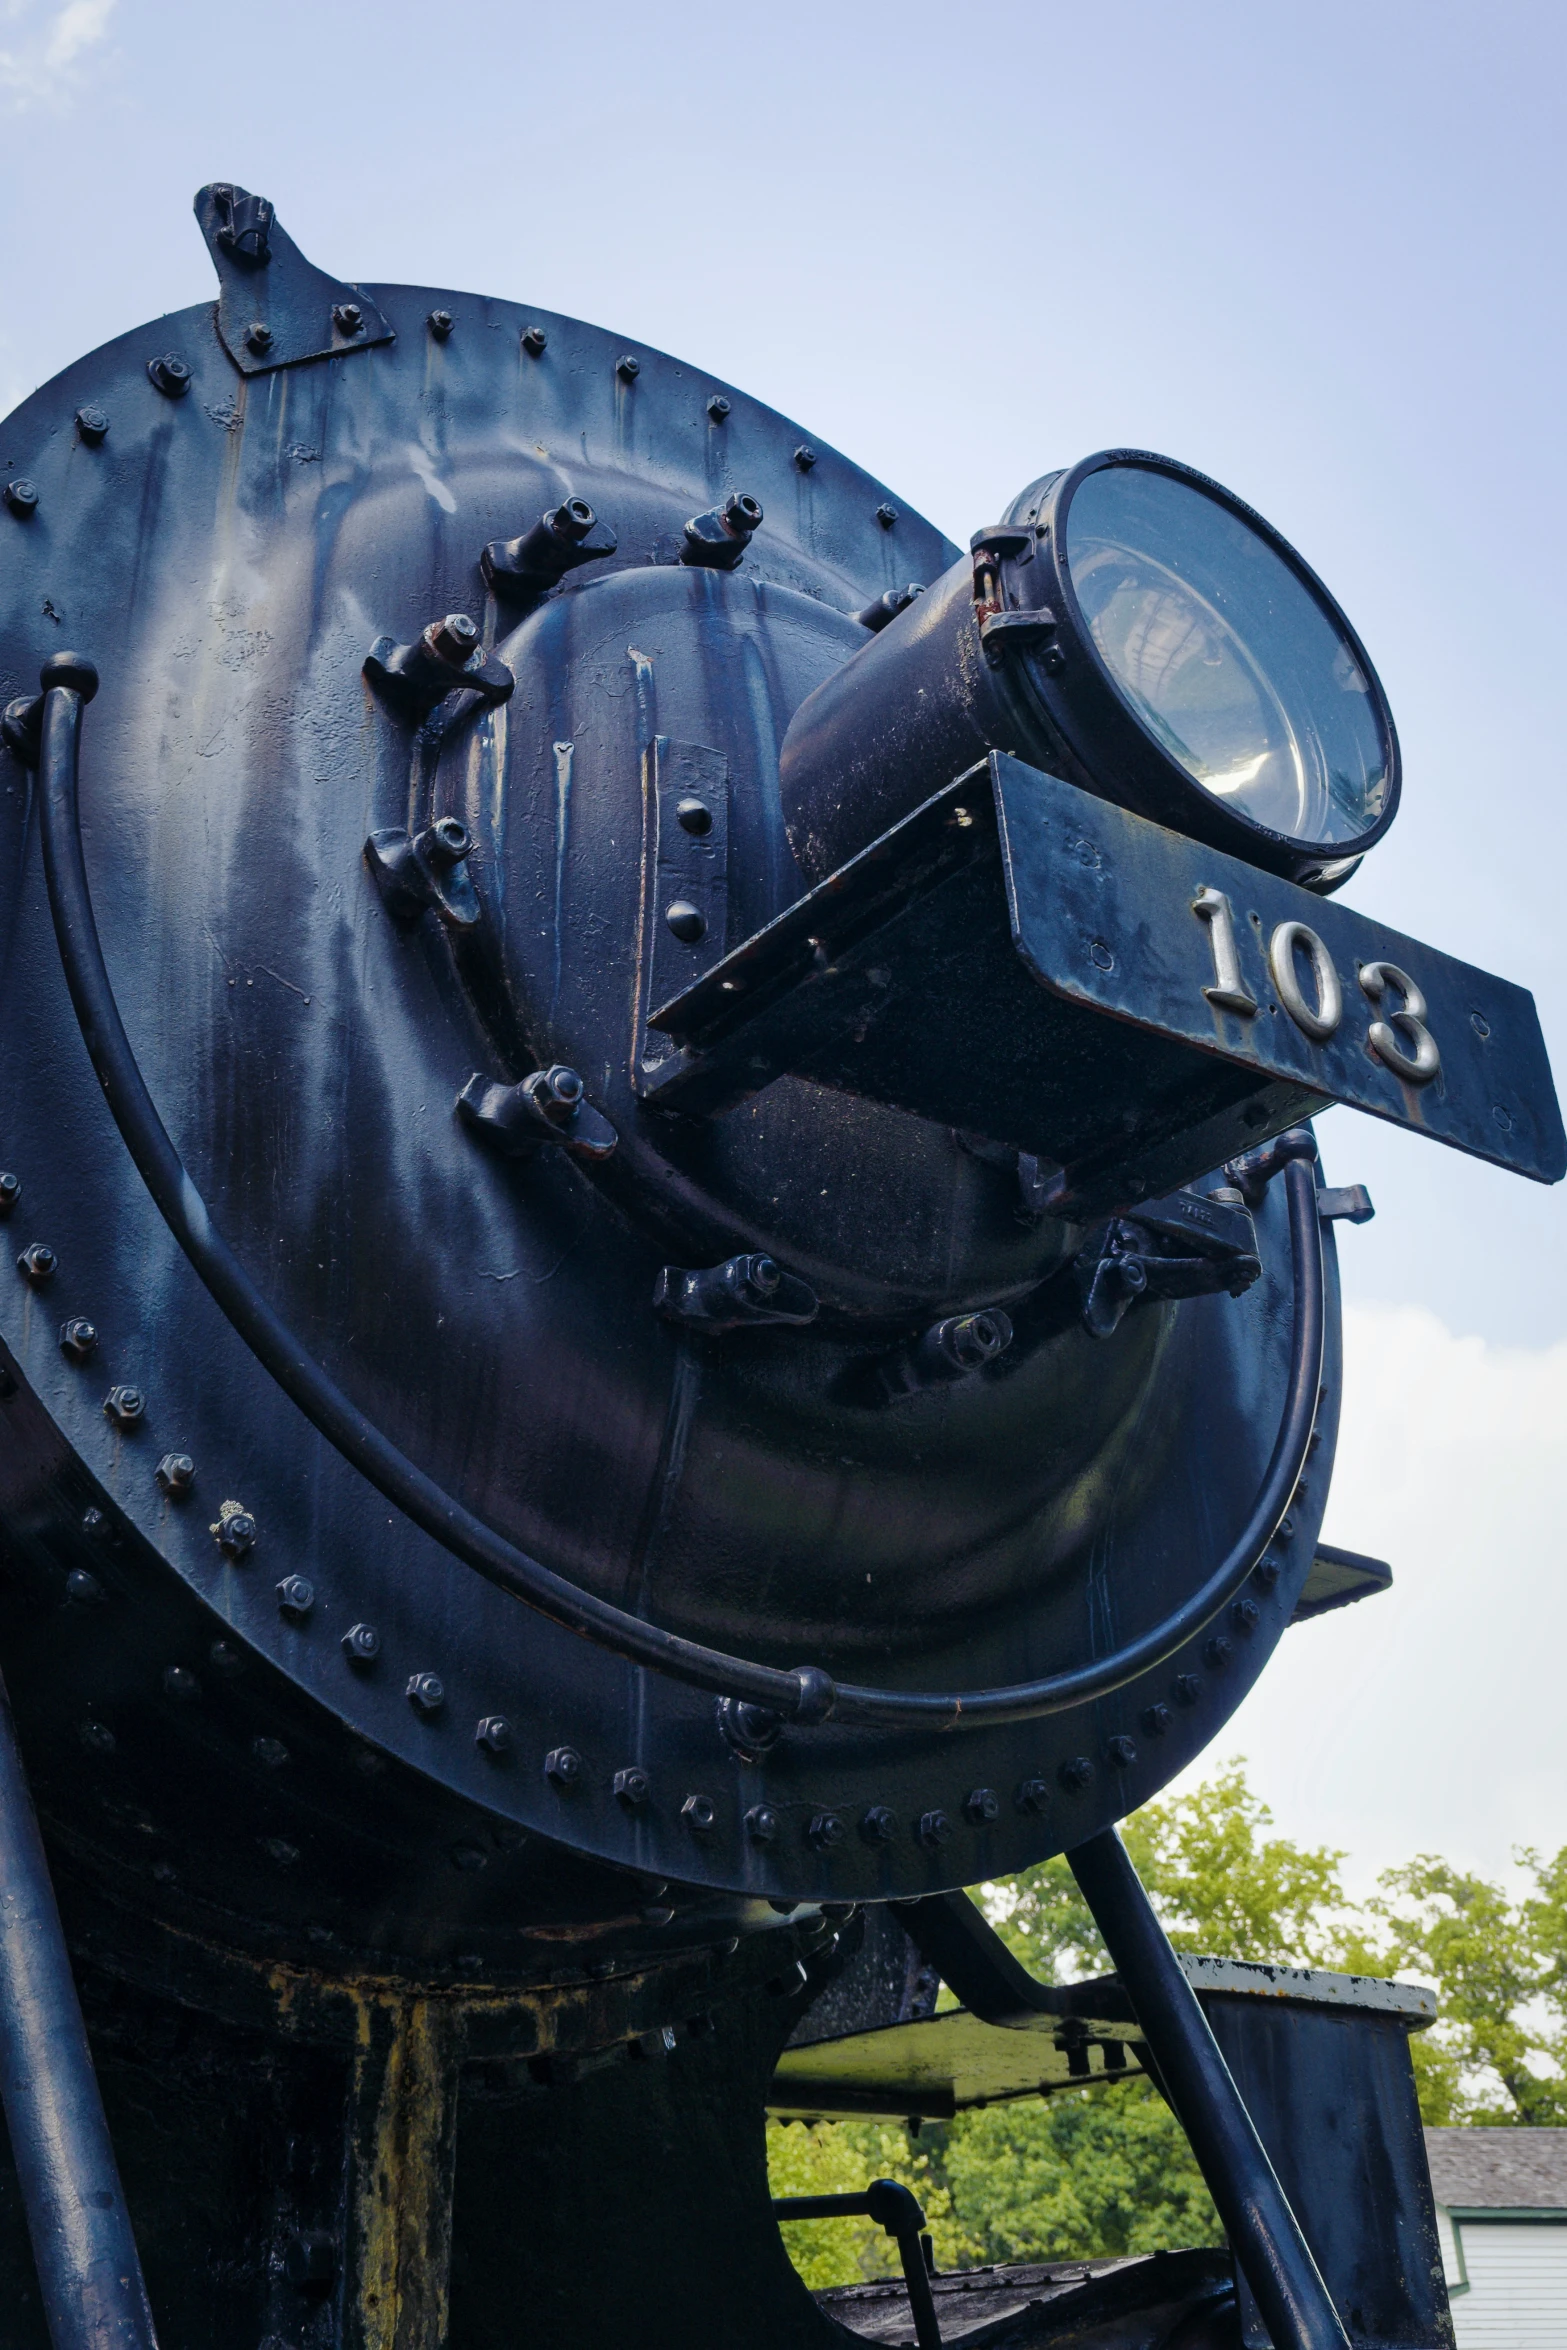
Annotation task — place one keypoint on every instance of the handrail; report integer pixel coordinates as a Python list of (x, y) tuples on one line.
[(805, 1694)]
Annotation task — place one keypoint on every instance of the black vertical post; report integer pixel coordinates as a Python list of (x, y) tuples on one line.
[(88, 2270), (1265, 2234)]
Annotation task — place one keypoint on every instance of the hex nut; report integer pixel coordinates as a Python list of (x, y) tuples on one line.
[(825, 1831), (879, 1825), (805, 457), (1120, 1752), (632, 1787), (37, 1263), (176, 1473), (1245, 1615), (426, 1692), (10, 1191), (1075, 1773), (980, 1806), (170, 375), (933, 1829), (440, 324), (21, 495), (1033, 1795), (886, 516), (1156, 1719), (534, 341), (761, 1825), (258, 335), (493, 1733), (700, 1814), (628, 367), (296, 1596), (77, 1338), (1218, 1651), (718, 407), (1267, 1572), (93, 425), (1187, 1688), (348, 318), (235, 1532), (563, 1766), (125, 1406), (361, 1644)]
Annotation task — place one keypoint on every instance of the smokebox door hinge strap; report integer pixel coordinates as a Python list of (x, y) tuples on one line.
[(275, 308)]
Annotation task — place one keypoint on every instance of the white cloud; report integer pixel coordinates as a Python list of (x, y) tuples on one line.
[(1431, 1718), (41, 46)]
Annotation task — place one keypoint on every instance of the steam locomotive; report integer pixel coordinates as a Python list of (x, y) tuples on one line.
[(672, 1296)]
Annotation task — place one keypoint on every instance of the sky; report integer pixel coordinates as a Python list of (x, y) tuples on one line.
[(1313, 251)]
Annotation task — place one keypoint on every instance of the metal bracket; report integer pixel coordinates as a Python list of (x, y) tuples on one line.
[(275, 308), (445, 658), (21, 728), (685, 911), (1345, 1203), (425, 873), (1190, 1245), (735, 1295), (549, 1106), (571, 534)]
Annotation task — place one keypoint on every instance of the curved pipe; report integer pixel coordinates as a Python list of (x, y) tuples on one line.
[(806, 1694)]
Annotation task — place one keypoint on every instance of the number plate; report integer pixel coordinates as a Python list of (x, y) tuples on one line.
[(1118, 915)]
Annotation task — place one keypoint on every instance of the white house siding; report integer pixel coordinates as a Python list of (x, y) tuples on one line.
[(1517, 2283)]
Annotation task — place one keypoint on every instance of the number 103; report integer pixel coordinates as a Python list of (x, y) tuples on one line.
[(1398, 1037)]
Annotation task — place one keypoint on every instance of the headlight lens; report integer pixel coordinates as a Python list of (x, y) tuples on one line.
[(1225, 655)]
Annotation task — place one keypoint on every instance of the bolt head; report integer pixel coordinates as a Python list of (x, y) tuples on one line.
[(1218, 1651), (563, 1766), (718, 407), (1267, 1573), (176, 1473), (21, 496), (92, 424), (1033, 1795), (805, 457), (450, 840), (933, 1829), (361, 1644), (1075, 1773), (632, 1787), (980, 1806), (886, 516), (534, 340), (1156, 1719), (426, 1692), (77, 1338), (1187, 1688), (628, 366), (563, 1085), (456, 637), (236, 1533), (347, 317), (10, 1192), (1120, 1752), (170, 374), (879, 1825), (125, 1406), (37, 1262), (688, 922), (1245, 1615), (441, 323), (493, 1733), (761, 1824), (700, 1814), (259, 335), (825, 1831), (296, 1596)]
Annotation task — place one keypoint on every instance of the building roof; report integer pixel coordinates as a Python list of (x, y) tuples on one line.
[(1503, 2169)]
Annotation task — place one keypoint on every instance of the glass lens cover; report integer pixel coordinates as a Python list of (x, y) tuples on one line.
[(1226, 656)]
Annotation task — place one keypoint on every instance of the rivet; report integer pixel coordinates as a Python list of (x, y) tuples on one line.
[(170, 374), (879, 1825), (83, 1587), (1187, 1688), (563, 1766), (761, 1825), (1120, 1752), (176, 1473), (21, 496), (932, 1829), (1218, 1651), (700, 1814), (440, 324), (347, 317), (886, 516), (493, 1733), (1033, 1795), (77, 1338), (98, 1738), (93, 425), (632, 1787), (628, 366), (96, 1524), (179, 1681), (1156, 1719), (688, 922), (279, 1849), (271, 1753), (534, 340), (125, 1406), (825, 1831), (163, 1872), (37, 1263), (805, 457), (10, 1192), (259, 335), (296, 1596), (1075, 1773), (981, 1805), (225, 1658), (469, 1856), (718, 407), (361, 1644), (1245, 1615), (235, 1531), (427, 1691)]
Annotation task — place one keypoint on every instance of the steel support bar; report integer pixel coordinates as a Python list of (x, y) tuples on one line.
[(897, 2209), (1263, 2231), (88, 2270)]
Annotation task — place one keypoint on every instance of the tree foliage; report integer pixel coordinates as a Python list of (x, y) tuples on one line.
[(1106, 2169)]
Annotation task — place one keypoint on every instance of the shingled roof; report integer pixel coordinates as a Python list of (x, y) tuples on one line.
[(1499, 2169)]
